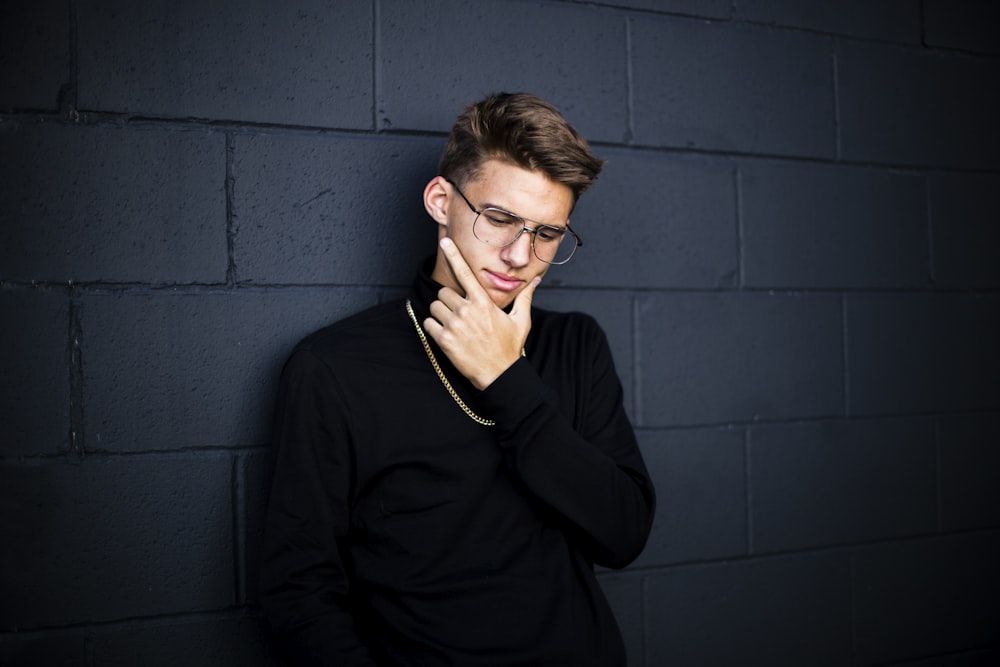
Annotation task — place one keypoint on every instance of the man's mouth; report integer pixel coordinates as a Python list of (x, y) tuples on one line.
[(503, 282)]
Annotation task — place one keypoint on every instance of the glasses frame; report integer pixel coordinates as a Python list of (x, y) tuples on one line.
[(578, 242)]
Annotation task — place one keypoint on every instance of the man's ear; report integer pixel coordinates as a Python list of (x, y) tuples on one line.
[(436, 200)]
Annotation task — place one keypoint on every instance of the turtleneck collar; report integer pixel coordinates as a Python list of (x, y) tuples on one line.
[(424, 290)]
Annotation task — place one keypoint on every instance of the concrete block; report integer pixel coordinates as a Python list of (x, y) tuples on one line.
[(283, 63), (323, 209), (785, 611), (167, 370), (717, 358), (613, 311), (828, 483), (34, 53), (970, 472), (102, 539), (732, 88), (701, 506), (969, 26), (896, 21), (209, 642), (906, 106), (437, 58), (624, 594), (35, 650), (913, 353), (928, 597), (88, 203), (807, 225), (653, 220), (964, 230), (35, 364)]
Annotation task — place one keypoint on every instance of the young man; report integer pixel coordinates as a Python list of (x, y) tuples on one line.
[(450, 468)]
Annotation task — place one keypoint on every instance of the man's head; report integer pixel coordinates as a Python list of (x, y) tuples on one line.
[(522, 130), (515, 153)]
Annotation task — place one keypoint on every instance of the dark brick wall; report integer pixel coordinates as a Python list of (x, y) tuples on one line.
[(793, 250)]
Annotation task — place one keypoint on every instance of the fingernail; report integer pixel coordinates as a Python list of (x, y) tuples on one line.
[(445, 242)]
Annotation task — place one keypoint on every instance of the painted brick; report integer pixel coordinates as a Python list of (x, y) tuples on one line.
[(970, 472), (820, 484), (964, 230), (438, 57), (718, 9), (322, 209), (831, 226), (194, 643), (909, 353), (901, 105), (97, 540), (788, 611), (124, 205), (969, 26), (166, 370), (656, 221), (289, 63), (896, 21), (624, 594), (722, 357), (914, 599), (700, 495), (35, 397), (613, 311), (732, 88), (23, 650), (34, 53)]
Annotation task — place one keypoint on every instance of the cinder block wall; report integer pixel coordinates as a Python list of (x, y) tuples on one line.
[(794, 250)]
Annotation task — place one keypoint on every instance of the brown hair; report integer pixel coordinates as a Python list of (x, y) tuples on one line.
[(523, 130)]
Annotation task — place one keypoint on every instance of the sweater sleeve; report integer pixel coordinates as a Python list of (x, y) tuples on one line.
[(587, 467), (304, 579)]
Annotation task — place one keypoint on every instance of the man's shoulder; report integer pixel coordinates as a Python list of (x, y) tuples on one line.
[(361, 328)]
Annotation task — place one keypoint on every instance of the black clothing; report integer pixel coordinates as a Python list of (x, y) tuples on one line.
[(399, 531)]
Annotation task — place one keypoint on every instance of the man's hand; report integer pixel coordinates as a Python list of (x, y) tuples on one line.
[(480, 339)]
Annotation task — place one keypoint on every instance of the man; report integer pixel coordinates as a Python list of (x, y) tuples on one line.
[(450, 469)]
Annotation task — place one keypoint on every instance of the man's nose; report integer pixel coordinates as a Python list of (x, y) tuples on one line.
[(519, 252)]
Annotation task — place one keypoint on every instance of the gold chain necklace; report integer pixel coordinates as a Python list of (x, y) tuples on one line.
[(440, 373)]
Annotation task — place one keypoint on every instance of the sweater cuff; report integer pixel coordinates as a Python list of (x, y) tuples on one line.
[(515, 395)]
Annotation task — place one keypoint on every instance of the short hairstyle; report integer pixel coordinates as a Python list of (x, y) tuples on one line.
[(523, 130)]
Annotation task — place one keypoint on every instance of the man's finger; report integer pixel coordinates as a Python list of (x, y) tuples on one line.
[(522, 303), (461, 270)]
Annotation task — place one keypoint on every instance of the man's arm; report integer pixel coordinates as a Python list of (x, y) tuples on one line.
[(593, 474), (304, 583)]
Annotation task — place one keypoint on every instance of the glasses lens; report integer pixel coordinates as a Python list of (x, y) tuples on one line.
[(497, 228)]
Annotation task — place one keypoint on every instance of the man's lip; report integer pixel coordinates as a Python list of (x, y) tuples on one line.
[(503, 281)]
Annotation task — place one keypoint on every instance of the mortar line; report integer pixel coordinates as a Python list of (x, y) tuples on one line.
[(928, 207), (629, 86), (748, 490), (229, 187), (76, 429), (376, 63), (835, 66), (845, 356), (740, 232), (636, 363)]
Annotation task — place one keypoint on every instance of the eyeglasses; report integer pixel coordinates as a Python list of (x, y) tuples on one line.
[(499, 228)]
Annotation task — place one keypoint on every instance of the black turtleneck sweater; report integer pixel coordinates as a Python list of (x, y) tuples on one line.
[(401, 532)]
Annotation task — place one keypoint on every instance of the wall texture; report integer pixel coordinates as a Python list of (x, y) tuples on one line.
[(794, 250)]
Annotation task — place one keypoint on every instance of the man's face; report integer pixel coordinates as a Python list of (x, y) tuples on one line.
[(502, 272)]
